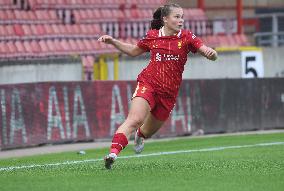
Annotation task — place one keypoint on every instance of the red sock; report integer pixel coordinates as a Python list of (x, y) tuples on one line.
[(140, 134), (119, 142)]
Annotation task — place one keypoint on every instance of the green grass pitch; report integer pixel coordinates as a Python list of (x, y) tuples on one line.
[(248, 167)]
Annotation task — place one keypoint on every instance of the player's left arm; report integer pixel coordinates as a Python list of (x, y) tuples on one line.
[(208, 52)]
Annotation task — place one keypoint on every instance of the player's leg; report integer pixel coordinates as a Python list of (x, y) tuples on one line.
[(153, 122), (138, 112), (149, 128)]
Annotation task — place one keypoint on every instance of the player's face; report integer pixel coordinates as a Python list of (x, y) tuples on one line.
[(174, 20)]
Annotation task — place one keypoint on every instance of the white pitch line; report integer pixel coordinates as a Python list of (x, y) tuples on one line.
[(11, 168)]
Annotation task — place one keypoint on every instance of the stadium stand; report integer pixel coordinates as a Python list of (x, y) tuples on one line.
[(46, 28)]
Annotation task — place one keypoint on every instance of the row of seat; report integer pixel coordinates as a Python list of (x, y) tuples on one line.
[(41, 31), (83, 4), (194, 14), (55, 47), (64, 47), (32, 17), (89, 15), (235, 40), (8, 4)]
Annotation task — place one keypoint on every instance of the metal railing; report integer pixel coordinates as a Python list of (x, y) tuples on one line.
[(272, 31)]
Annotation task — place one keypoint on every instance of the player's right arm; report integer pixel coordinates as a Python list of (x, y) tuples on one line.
[(208, 52), (129, 49)]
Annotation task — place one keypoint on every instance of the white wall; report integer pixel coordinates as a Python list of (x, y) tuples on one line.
[(40, 70), (273, 59)]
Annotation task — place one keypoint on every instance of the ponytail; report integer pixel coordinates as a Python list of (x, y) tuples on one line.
[(161, 12), (157, 21)]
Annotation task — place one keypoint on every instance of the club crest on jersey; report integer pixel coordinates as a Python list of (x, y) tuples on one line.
[(143, 90), (179, 44)]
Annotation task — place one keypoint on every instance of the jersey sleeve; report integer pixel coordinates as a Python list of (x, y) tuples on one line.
[(194, 43), (144, 43)]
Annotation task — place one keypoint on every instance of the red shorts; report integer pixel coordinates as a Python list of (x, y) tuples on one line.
[(161, 107)]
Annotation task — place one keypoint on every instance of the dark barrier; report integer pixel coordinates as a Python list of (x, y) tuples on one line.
[(33, 114)]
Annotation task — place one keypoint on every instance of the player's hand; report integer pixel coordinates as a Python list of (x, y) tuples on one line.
[(210, 53), (106, 39)]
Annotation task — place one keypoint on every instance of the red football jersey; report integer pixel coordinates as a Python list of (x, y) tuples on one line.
[(168, 57)]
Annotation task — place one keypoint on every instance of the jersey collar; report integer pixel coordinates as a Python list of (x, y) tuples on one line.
[(162, 33)]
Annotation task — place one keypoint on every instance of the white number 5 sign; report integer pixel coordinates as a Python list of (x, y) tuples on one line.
[(252, 64)]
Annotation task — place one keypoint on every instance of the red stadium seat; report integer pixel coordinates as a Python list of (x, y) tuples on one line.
[(76, 29), (145, 14), (3, 15), (97, 15), (2, 49), (69, 29), (89, 14), (118, 14), (80, 45), (60, 2), (83, 14), (55, 29), (6, 53), (88, 45), (65, 45), (31, 16), (40, 15), (28, 48), (48, 29), (36, 49), (51, 47), (20, 15), (84, 29), (52, 15), (58, 47), (96, 45), (18, 30), (10, 15), (40, 30), (97, 29), (20, 47), (34, 30), (12, 49), (44, 47), (73, 45), (131, 14), (10, 30), (62, 29), (3, 32)]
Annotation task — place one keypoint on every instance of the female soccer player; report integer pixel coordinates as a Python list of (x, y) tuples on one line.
[(158, 84)]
